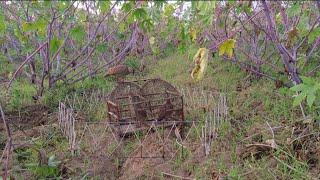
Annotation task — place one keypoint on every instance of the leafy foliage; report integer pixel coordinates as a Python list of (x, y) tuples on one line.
[(78, 33), (308, 90)]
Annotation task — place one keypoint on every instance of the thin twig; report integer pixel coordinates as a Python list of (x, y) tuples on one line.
[(8, 145), (270, 129), (306, 135)]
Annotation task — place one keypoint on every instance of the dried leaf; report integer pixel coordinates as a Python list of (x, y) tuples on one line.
[(201, 61)]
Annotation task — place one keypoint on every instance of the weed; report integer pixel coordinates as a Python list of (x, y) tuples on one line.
[(21, 94)]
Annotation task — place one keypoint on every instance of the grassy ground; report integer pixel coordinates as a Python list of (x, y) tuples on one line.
[(259, 113), (254, 104)]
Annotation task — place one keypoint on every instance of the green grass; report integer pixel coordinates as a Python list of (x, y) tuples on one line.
[(21, 94), (275, 108)]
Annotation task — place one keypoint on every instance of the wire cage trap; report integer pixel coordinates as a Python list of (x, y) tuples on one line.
[(141, 104)]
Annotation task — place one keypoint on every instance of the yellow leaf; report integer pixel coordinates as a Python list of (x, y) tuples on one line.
[(192, 34), (201, 61), (229, 52), (227, 47)]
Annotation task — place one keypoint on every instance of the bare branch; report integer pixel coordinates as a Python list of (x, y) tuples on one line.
[(26, 61)]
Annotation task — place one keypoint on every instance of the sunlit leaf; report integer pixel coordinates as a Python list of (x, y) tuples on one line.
[(122, 27), (62, 5), (168, 10), (227, 47), (104, 6), (41, 26), (26, 27)]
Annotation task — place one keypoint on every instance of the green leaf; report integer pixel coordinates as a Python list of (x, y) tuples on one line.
[(122, 27), (303, 26), (294, 10), (46, 3), (182, 48), (227, 47), (26, 27), (298, 99), (314, 35), (126, 7), (298, 87), (78, 33), (307, 80), (2, 23), (310, 99), (102, 47), (168, 10), (140, 13), (55, 43), (104, 6), (146, 25), (62, 5), (41, 26)]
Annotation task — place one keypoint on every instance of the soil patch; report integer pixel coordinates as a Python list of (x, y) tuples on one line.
[(27, 117)]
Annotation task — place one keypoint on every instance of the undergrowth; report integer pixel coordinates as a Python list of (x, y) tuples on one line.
[(253, 102)]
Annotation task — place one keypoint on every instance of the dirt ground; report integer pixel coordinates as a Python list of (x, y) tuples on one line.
[(96, 158)]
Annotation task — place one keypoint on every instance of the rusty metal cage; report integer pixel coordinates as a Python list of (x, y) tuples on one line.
[(137, 105)]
